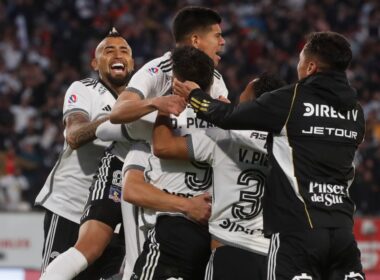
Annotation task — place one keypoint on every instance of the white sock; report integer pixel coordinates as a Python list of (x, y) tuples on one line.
[(66, 266)]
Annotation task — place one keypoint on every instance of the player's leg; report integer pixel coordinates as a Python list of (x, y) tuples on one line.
[(176, 248), (94, 236), (134, 236), (103, 249), (102, 214), (230, 263), (298, 255), (344, 262), (60, 235)]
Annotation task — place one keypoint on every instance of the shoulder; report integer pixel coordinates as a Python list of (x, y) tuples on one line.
[(89, 82), (217, 75), (280, 94), (160, 65)]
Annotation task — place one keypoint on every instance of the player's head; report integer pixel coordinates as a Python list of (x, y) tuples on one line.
[(199, 27), (194, 65), (263, 83), (324, 51), (113, 59)]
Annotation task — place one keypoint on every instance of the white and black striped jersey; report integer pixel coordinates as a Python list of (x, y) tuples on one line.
[(155, 79), (240, 166), (66, 188), (137, 220), (175, 177)]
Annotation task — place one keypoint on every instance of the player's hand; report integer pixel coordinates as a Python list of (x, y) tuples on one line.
[(248, 92), (223, 99), (183, 88), (199, 208), (170, 104)]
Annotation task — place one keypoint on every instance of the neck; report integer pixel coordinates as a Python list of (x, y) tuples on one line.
[(116, 89)]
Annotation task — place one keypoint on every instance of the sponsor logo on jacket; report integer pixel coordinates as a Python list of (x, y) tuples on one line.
[(327, 194), (322, 110)]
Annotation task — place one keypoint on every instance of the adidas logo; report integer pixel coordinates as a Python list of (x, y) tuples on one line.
[(107, 108)]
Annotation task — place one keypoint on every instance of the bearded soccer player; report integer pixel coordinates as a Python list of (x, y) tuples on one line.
[(87, 105)]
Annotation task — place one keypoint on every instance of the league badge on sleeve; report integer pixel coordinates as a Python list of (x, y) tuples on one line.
[(153, 70), (72, 99)]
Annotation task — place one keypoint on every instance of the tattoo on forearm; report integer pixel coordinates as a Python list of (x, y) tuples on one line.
[(82, 131)]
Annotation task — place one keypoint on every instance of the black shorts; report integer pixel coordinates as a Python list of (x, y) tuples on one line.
[(60, 234), (104, 201), (175, 247), (231, 263), (319, 254)]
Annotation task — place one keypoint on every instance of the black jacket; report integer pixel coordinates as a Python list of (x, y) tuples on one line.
[(314, 129)]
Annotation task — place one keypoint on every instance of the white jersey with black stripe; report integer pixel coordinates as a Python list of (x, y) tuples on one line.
[(240, 166), (66, 188), (155, 79), (176, 177)]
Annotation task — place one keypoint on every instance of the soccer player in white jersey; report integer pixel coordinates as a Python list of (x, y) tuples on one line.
[(240, 165), (87, 105), (193, 26), (183, 252), (144, 200)]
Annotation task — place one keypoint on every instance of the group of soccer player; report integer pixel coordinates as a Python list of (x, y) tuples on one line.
[(172, 196)]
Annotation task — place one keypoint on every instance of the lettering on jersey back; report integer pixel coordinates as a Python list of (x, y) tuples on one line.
[(252, 157), (236, 227), (191, 123)]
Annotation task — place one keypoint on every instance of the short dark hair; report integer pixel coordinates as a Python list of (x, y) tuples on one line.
[(332, 49), (194, 65), (267, 82), (190, 19)]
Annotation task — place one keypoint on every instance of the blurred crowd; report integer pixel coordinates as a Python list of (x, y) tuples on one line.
[(46, 45)]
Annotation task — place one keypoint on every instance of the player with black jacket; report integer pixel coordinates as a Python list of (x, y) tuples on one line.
[(315, 127)]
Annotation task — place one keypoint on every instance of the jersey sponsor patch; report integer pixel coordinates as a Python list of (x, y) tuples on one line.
[(115, 194), (153, 70), (72, 99)]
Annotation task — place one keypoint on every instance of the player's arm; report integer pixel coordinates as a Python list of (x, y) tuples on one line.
[(267, 113), (130, 106), (138, 192), (80, 130), (166, 145), (108, 131)]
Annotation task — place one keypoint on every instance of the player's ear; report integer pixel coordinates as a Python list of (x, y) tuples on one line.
[(312, 67), (94, 64), (194, 40)]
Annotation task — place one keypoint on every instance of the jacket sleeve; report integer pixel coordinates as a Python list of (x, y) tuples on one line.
[(267, 113)]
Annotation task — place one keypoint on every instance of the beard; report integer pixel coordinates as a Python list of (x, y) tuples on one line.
[(118, 80)]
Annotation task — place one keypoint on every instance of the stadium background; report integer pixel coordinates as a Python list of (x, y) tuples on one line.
[(46, 45)]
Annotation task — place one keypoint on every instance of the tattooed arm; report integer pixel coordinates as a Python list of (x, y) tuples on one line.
[(80, 130)]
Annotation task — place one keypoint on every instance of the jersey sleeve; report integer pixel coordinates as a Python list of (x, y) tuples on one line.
[(137, 157), (77, 99), (108, 131), (145, 81), (201, 145), (267, 113)]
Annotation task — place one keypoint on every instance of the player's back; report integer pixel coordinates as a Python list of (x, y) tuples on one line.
[(240, 166)]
